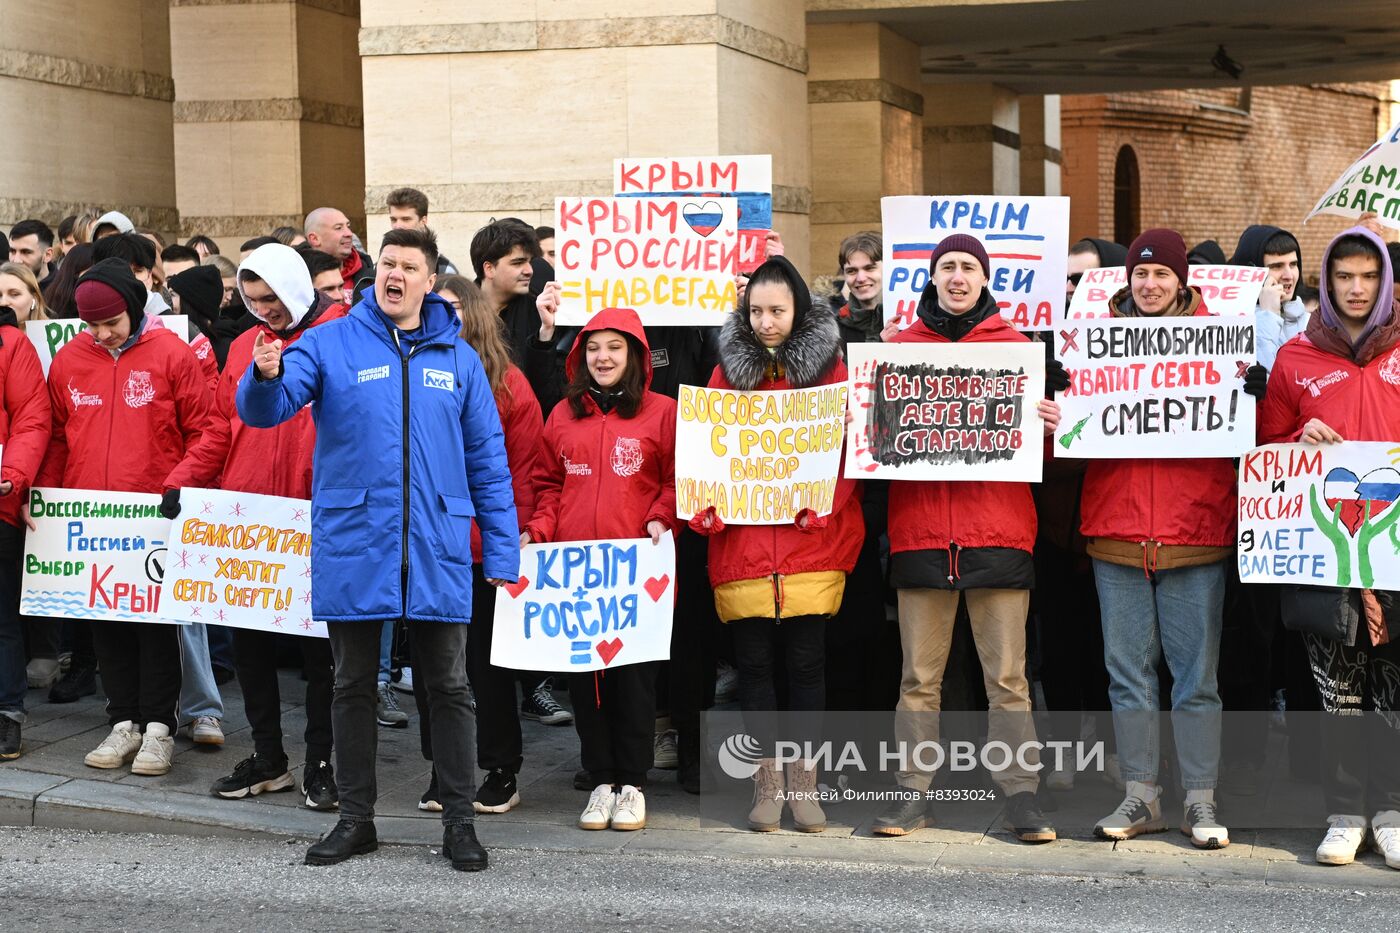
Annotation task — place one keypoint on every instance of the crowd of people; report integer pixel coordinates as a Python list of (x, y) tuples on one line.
[(441, 421)]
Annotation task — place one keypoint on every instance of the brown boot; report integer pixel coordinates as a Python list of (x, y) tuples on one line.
[(807, 815), (767, 812)]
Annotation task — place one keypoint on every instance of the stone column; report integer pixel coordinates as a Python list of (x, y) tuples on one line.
[(1041, 152), (495, 110), (268, 115), (867, 135), (972, 139), (85, 99)]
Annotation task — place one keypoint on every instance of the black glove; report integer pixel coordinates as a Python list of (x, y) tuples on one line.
[(170, 504), (1056, 376), (1256, 380)]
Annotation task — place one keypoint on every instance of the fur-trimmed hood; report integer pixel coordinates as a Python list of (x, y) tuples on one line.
[(802, 359)]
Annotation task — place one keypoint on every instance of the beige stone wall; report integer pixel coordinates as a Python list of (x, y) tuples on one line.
[(268, 114), (495, 110), (85, 99)]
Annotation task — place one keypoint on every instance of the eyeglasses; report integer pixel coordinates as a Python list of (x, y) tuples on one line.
[(1074, 278)]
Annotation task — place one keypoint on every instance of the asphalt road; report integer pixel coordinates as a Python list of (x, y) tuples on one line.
[(56, 880)]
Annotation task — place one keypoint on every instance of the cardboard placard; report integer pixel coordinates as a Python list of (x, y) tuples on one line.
[(48, 337), (1227, 291), (1370, 184)]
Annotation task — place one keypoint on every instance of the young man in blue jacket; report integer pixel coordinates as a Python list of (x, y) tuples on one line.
[(408, 448)]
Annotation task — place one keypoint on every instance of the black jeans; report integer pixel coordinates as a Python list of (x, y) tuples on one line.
[(760, 645), (1360, 688), (615, 715), (13, 682), (255, 661), (140, 664), (439, 657)]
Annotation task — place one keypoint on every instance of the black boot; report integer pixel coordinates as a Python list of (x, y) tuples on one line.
[(459, 844), (1023, 817), (908, 812), (79, 682), (349, 838), (688, 761)]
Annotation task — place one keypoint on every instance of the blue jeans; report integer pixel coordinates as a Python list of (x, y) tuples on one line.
[(386, 651), (14, 684), (1178, 615), (199, 695)]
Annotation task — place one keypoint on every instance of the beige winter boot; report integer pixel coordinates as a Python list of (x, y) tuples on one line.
[(807, 815), (767, 812)]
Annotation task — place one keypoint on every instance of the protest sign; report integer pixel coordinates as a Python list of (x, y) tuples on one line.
[(946, 411), (1320, 515), (241, 559), (94, 555), (1228, 291), (1155, 387), (48, 337), (746, 178), (1371, 183), (587, 605), (671, 260), (758, 458), (1027, 242)]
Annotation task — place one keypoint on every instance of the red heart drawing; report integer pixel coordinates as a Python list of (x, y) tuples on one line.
[(656, 586), (515, 589), (607, 650)]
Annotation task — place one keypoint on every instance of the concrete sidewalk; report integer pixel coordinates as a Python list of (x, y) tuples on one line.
[(50, 786)]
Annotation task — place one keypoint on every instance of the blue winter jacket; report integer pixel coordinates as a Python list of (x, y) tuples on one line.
[(408, 448)]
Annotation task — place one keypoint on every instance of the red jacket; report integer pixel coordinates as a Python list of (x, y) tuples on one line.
[(1163, 502), (269, 461), (523, 425), (208, 363), (24, 418), (122, 424), (971, 514), (1359, 399), (605, 476)]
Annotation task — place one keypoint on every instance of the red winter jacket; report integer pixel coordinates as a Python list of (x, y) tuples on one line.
[(208, 363), (523, 425), (604, 476), (1160, 503), (24, 418), (971, 514), (122, 424), (269, 461)]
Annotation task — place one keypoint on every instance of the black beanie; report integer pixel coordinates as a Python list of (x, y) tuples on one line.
[(201, 291), (116, 274), (778, 268)]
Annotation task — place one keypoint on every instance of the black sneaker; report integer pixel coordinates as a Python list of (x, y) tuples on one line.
[(910, 811), (79, 682), (9, 738), (431, 802), (318, 786), (1023, 817), (541, 707), (349, 838), (497, 794), (253, 776)]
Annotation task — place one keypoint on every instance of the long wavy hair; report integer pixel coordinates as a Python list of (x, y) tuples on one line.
[(482, 328)]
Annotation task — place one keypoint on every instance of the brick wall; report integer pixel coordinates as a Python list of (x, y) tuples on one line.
[(1211, 162)]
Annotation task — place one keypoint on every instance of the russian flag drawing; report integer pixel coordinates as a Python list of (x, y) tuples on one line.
[(925, 250)]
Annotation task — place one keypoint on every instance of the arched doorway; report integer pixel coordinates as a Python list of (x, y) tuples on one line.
[(1127, 186)]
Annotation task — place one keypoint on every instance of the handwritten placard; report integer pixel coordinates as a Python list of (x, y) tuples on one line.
[(746, 178), (1368, 184), (671, 260), (946, 411), (1227, 291), (243, 560), (587, 606), (1027, 242), (758, 458), (1155, 387), (48, 337), (94, 555), (1321, 515)]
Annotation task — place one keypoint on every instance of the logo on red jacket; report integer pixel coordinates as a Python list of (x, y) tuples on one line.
[(82, 399), (627, 456), (138, 391), (1390, 369)]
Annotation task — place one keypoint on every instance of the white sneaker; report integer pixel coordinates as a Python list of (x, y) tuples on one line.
[(1385, 833), (1345, 834), (602, 804), (1060, 779), (665, 752), (405, 682), (1200, 821), (157, 751), (42, 672), (631, 812), (205, 730), (1135, 815), (119, 747)]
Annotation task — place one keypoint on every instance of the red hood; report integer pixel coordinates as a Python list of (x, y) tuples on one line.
[(622, 320)]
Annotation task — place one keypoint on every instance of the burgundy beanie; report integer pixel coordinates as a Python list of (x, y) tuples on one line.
[(108, 289), (962, 243), (98, 301), (1160, 246)]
